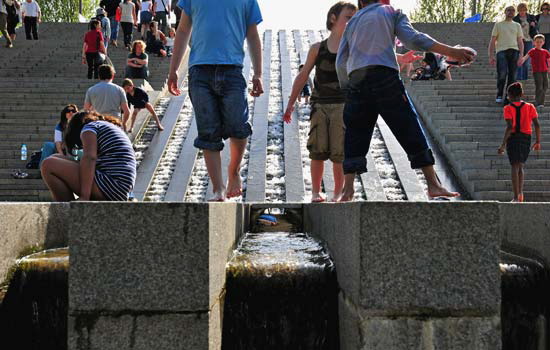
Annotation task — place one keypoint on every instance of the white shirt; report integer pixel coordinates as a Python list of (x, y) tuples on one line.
[(3, 8), (30, 9), (161, 6)]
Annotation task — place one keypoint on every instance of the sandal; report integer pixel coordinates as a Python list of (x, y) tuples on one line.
[(18, 174)]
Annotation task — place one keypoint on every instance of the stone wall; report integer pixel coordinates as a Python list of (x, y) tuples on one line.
[(414, 275), (147, 276)]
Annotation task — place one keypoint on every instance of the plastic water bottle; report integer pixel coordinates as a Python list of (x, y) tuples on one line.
[(23, 152)]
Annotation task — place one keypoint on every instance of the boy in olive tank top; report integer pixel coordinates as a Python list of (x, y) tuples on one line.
[(326, 137)]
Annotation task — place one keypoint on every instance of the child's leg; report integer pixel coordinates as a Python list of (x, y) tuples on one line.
[(544, 86), (521, 176), (515, 180), (539, 92), (152, 111), (338, 172), (317, 169)]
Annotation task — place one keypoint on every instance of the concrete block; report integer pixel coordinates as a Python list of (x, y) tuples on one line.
[(466, 333), (94, 332), (144, 256), (171, 331), (349, 322), (394, 334), (339, 226), (439, 258)]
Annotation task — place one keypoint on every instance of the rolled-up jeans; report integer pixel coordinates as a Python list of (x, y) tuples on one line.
[(507, 61), (373, 91), (114, 28)]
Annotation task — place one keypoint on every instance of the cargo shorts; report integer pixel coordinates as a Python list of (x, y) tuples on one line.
[(326, 132)]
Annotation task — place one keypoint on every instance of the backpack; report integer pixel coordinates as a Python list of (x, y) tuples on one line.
[(10, 9), (34, 162)]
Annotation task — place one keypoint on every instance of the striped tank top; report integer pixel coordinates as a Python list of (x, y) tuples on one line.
[(326, 85), (116, 161)]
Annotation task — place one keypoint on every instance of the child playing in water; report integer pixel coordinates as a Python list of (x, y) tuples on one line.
[(139, 99), (540, 62), (326, 138), (519, 116)]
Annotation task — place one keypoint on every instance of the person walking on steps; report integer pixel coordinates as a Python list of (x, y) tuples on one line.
[(111, 7), (4, 23), (528, 25), (31, 18), (367, 67), (162, 15), (507, 40), (217, 85), (13, 7), (519, 116)]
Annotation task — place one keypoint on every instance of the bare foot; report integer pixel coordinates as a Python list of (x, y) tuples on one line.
[(160, 127), (347, 196), (336, 197), (441, 191), (521, 198), (317, 198), (234, 188), (218, 196)]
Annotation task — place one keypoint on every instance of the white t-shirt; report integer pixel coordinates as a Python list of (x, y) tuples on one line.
[(161, 6), (3, 8), (146, 6), (30, 9)]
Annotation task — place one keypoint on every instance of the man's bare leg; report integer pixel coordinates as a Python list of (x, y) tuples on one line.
[(435, 189), (234, 186), (348, 192), (214, 166)]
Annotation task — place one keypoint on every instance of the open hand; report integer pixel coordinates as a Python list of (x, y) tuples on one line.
[(462, 55), (410, 57)]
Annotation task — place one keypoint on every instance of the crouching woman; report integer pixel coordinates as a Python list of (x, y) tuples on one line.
[(107, 169)]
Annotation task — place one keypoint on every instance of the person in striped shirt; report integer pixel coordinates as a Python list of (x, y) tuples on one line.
[(107, 169)]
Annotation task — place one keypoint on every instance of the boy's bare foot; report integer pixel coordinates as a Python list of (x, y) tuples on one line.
[(234, 186), (347, 196), (336, 197), (317, 198), (521, 198), (160, 127), (218, 196), (440, 191)]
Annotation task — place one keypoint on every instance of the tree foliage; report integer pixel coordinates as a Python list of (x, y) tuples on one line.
[(454, 11), (66, 10)]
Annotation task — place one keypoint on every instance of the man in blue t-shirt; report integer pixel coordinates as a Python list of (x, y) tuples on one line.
[(216, 81)]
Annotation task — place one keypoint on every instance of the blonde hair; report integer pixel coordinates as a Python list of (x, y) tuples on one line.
[(136, 43), (522, 6)]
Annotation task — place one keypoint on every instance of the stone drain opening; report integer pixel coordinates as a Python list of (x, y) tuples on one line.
[(281, 288)]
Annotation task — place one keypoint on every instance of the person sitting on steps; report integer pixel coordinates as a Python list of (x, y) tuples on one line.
[(139, 99)]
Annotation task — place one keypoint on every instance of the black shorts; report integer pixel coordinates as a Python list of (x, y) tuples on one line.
[(518, 147)]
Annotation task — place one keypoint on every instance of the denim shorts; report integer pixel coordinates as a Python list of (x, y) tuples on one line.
[(218, 94)]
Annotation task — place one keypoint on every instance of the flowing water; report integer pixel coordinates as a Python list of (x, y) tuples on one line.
[(525, 303), (281, 293)]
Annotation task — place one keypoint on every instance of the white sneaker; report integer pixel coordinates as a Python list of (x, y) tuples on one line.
[(499, 100)]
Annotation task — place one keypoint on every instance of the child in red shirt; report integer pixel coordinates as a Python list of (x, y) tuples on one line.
[(519, 116), (540, 62)]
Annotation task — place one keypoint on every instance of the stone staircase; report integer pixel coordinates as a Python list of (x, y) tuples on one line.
[(464, 119), (37, 79)]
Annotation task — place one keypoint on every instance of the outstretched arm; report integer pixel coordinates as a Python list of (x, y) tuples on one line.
[(181, 41), (255, 49), (300, 81)]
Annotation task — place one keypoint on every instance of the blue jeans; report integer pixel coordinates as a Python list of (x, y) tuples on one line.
[(373, 91), (218, 95), (114, 28), (523, 71), (48, 148), (507, 61)]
